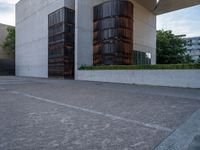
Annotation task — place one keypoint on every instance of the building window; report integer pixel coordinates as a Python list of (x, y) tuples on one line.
[(141, 58)]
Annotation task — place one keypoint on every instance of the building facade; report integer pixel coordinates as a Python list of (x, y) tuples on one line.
[(193, 47), (56, 37)]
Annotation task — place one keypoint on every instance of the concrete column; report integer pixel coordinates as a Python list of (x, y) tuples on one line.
[(83, 33)]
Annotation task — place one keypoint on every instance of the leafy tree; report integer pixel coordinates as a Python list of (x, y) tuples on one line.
[(171, 49), (9, 43), (188, 59), (198, 61)]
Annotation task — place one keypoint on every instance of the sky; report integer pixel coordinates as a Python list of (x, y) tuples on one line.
[(185, 21), (7, 11)]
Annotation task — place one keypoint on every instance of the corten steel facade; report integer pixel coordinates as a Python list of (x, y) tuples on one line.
[(56, 37), (61, 43), (113, 33)]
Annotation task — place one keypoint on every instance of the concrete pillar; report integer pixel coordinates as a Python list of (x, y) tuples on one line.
[(83, 33)]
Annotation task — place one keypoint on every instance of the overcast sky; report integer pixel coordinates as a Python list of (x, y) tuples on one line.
[(7, 11), (186, 21)]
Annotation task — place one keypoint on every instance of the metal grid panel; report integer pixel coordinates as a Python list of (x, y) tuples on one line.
[(113, 33), (61, 43)]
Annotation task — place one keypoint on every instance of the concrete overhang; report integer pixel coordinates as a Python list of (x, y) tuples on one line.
[(149, 4), (164, 6)]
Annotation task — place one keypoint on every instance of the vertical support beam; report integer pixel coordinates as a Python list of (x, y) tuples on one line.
[(83, 33)]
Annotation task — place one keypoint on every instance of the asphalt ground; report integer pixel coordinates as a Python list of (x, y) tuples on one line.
[(52, 114)]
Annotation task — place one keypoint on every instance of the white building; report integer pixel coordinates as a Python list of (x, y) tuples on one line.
[(35, 36), (193, 47)]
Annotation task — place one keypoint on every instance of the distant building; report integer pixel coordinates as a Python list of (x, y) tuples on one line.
[(193, 47)]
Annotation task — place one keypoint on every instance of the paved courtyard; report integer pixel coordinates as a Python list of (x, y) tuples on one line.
[(50, 114)]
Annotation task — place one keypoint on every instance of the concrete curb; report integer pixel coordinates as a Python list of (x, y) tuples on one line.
[(183, 136)]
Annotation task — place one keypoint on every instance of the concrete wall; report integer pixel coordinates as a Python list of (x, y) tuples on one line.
[(83, 33), (172, 78), (144, 31), (32, 35)]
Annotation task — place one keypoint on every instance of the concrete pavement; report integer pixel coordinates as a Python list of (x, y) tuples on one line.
[(73, 115)]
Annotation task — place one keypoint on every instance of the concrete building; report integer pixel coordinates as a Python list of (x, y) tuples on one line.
[(129, 26), (193, 47)]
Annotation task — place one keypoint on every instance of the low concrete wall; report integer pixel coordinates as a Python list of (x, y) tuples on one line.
[(172, 78)]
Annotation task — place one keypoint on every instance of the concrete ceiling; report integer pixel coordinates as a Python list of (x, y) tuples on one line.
[(149, 4), (165, 6)]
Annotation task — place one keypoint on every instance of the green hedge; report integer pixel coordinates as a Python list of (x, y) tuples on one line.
[(145, 67)]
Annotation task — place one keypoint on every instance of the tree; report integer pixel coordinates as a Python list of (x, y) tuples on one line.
[(9, 43), (188, 59), (171, 49), (198, 61)]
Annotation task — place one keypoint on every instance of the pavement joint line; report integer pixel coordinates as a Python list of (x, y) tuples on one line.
[(182, 137), (14, 92), (15, 83), (152, 126), (138, 144)]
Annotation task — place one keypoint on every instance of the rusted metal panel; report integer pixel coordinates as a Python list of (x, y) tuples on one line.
[(61, 43), (113, 33)]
